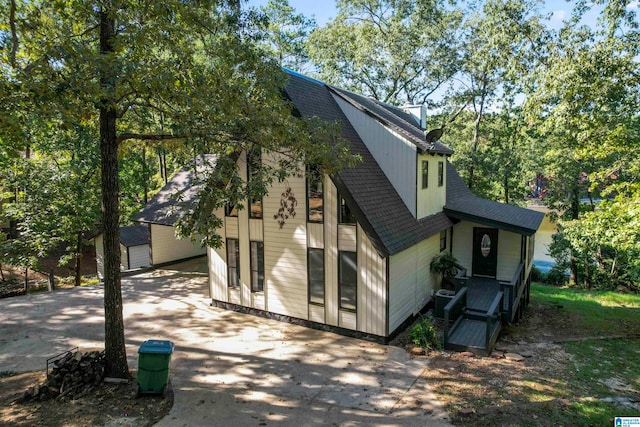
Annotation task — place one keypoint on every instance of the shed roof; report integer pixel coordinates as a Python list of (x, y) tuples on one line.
[(134, 235), (177, 196)]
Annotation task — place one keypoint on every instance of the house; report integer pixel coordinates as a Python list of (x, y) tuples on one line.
[(163, 211), (355, 257), (134, 249)]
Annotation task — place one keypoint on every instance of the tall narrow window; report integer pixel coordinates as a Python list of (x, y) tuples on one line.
[(440, 174), (348, 280), (425, 173), (233, 263), (315, 271), (443, 240), (257, 266), (254, 163), (345, 216), (315, 195)]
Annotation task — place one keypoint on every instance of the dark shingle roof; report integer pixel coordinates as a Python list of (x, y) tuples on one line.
[(134, 235), (176, 197), (379, 209), (394, 118), (463, 205)]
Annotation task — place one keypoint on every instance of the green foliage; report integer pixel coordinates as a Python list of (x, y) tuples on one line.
[(395, 51), (446, 265), (597, 313), (286, 34), (425, 335)]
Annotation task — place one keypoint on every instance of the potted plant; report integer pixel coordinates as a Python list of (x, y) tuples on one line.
[(446, 265)]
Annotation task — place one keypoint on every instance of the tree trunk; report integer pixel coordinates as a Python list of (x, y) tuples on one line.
[(574, 210), (26, 279), (78, 267), (145, 175), (115, 351)]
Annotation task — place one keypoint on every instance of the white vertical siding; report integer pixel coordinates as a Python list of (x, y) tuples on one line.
[(285, 253), (316, 313), (372, 287), (217, 260), (347, 238), (462, 244), (243, 241), (166, 247), (98, 241), (218, 273), (410, 282), (231, 227), (315, 235), (395, 155), (331, 252), (433, 198), (508, 254), (348, 320), (255, 230), (139, 256)]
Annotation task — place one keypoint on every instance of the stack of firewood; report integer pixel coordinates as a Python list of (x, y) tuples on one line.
[(72, 376)]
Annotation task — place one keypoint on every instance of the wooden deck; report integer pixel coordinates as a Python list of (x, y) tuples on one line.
[(474, 317), (469, 335), (481, 292)]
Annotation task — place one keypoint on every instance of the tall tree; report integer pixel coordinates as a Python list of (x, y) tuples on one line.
[(287, 33), (501, 42), (587, 100), (397, 51), (113, 63)]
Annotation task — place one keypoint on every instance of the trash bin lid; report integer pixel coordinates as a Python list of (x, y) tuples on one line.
[(156, 347)]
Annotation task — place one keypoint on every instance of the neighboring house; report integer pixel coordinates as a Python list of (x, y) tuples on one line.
[(162, 212), (355, 257), (134, 249)]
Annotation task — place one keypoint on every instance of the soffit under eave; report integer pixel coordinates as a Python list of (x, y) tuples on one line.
[(464, 216)]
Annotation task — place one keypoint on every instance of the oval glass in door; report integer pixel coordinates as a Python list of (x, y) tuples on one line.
[(485, 245)]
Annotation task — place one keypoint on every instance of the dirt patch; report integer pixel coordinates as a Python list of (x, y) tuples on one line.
[(526, 381), (109, 404)]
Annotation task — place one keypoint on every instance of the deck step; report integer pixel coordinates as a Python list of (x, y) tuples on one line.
[(470, 335)]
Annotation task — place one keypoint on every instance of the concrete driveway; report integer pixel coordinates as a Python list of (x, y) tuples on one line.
[(227, 368)]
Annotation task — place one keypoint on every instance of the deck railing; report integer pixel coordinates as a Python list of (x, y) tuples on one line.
[(494, 316), (513, 291), (454, 311), (460, 278)]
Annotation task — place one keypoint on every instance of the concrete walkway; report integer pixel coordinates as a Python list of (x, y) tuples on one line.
[(228, 369)]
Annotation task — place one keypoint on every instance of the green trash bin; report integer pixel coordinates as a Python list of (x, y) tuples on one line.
[(154, 357)]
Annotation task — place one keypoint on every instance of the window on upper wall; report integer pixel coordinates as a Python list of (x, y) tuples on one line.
[(230, 210), (345, 216), (315, 273), (440, 174), (443, 240), (315, 195), (425, 173), (233, 263), (348, 280), (257, 266), (254, 162)]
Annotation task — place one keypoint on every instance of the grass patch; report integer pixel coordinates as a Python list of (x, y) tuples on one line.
[(605, 367), (592, 312), (577, 374)]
